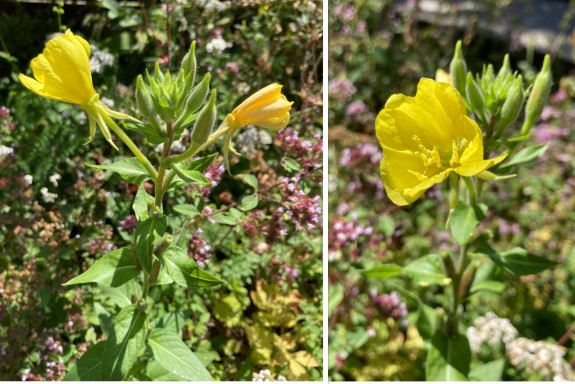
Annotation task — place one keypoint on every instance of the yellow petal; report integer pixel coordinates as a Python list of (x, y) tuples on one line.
[(264, 95), (275, 123), (475, 168), (62, 70)]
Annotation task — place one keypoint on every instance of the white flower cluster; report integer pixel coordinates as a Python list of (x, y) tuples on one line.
[(48, 197), (100, 59), (28, 179), (490, 329), (266, 375), (5, 151), (54, 179), (217, 44), (251, 139), (212, 5), (539, 357), (532, 356)]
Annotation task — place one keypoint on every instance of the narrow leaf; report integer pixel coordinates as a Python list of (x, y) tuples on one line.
[(175, 356), (147, 232), (427, 270), (114, 269), (130, 169), (184, 270), (526, 155), (200, 165), (124, 344), (448, 358), (140, 205), (462, 223), (191, 177), (384, 271), (88, 367)]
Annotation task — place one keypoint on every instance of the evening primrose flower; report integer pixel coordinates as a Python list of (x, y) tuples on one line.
[(62, 72), (425, 138)]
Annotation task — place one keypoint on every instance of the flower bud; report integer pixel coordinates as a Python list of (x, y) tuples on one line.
[(505, 70), (193, 103), (189, 63), (538, 96), (457, 69), (158, 75), (205, 121), (161, 246), (512, 106), (144, 99), (198, 95), (474, 97)]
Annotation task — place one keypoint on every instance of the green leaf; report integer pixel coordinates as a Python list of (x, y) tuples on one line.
[(125, 343), (491, 371), (184, 270), (114, 269), (517, 261), (140, 205), (232, 217), (122, 295), (88, 367), (526, 155), (462, 223), (250, 180), (335, 297), (173, 321), (175, 356), (384, 271), (448, 358), (488, 285), (427, 270), (200, 165), (148, 131), (191, 177), (188, 210), (426, 322), (148, 232), (291, 165), (130, 169), (155, 372), (249, 202)]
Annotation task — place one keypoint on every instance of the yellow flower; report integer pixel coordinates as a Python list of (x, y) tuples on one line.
[(62, 72), (425, 138), (267, 108)]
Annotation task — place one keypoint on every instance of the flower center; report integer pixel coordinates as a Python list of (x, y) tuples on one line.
[(432, 158)]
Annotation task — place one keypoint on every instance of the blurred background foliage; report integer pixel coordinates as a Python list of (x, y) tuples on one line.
[(376, 49), (260, 233)]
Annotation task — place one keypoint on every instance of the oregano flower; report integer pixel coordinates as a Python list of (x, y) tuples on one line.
[(425, 138)]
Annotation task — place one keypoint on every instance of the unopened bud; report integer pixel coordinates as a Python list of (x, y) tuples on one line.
[(205, 121), (144, 99), (490, 176), (142, 305), (474, 97), (161, 246), (538, 96), (457, 69), (193, 103), (158, 75), (512, 105), (505, 70), (198, 95), (189, 63), (156, 212)]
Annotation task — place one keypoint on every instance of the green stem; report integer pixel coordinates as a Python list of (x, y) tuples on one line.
[(130, 144), (471, 190)]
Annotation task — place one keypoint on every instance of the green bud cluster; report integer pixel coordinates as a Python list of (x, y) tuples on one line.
[(497, 100), (172, 98)]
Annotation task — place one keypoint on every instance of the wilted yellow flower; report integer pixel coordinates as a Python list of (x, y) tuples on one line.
[(267, 108), (425, 138), (62, 72)]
